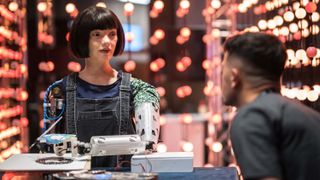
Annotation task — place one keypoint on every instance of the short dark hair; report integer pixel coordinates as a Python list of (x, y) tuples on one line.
[(90, 19), (261, 54)]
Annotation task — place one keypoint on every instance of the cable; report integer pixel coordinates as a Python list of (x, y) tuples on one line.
[(149, 164), (122, 162), (44, 133)]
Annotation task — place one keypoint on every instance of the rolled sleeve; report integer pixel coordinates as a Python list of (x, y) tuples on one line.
[(144, 92)]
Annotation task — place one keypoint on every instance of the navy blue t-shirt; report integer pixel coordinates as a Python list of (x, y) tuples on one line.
[(92, 91)]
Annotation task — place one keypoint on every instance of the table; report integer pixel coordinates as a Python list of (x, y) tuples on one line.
[(222, 173)]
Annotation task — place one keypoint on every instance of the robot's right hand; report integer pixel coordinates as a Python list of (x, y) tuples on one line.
[(150, 146), (84, 148)]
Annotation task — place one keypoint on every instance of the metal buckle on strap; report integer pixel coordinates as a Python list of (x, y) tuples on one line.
[(125, 88), (70, 88)]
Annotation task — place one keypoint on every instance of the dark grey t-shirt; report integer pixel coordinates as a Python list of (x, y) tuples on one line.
[(277, 137)]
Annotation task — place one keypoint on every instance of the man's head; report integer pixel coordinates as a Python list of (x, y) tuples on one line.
[(253, 61)]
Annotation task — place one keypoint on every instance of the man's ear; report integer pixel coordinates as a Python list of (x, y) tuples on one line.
[(235, 77)]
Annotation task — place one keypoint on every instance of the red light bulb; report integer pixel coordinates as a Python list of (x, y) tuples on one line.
[(311, 7), (311, 52)]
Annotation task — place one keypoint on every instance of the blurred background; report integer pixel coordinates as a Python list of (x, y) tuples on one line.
[(175, 45)]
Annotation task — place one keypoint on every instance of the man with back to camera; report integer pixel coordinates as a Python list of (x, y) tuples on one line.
[(272, 137)]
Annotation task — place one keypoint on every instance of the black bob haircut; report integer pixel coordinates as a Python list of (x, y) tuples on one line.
[(261, 54), (90, 19)]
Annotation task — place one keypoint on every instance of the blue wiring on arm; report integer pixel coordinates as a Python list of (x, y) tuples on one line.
[(46, 102)]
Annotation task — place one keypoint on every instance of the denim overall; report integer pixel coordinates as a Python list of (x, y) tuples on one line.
[(97, 117)]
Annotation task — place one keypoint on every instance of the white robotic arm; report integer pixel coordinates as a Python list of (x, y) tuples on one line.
[(147, 119), (147, 126)]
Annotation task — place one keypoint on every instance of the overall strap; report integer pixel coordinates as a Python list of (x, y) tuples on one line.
[(71, 104), (124, 94)]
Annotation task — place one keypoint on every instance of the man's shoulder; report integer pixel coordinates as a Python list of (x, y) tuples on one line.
[(275, 107), (268, 104), (270, 100), (285, 105), (274, 102)]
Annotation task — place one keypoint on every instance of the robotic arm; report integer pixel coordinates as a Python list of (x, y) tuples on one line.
[(98, 146), (53, 104), (147, 127), (147, 123)]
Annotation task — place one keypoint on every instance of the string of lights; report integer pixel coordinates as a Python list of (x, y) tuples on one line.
[(218, 16), (13, 149), (13, 74), (296, 23), (130, 64)]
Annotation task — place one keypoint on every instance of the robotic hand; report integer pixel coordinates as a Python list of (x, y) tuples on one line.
[(61, 144), (147, 123)]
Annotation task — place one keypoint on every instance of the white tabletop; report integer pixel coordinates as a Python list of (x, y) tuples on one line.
[(27, 162)]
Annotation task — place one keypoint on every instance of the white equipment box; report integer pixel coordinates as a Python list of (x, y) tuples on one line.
[(27, 162), (163, 162)]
